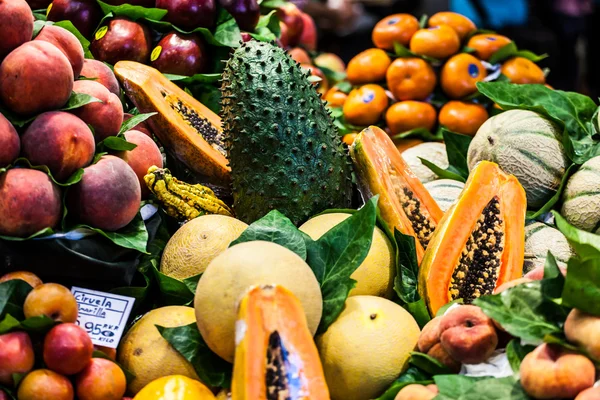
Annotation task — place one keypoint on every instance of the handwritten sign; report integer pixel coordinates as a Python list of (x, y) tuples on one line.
[(102, 315)]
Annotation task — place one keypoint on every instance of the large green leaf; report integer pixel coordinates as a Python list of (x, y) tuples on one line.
[(133, 236), (585, 244), (12, 297), (408, 377), (582, 285), (461, 387), (133, 12), (515, 352)]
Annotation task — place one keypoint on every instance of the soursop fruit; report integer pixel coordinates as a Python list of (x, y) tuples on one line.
[(283, 149)]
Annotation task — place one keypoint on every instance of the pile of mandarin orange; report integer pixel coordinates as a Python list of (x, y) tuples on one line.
[(439, 57)]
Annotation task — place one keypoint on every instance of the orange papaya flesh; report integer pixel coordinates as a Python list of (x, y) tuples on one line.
[(480, 242), (404, 202), (183, 125), (276, 356)]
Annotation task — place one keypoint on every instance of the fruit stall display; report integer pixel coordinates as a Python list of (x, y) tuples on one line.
[(263, 253)]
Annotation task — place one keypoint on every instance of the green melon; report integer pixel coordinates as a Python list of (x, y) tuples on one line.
[(581, 198), (445, 192), (541, 238), (432, 151), (525, 145)]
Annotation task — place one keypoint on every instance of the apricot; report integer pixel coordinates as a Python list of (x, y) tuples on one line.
[(108, 196), (468, 335), (17, 25), (10, 144), (101, 73), (109, 351), (61, 141), (417, 392), (509, 284), (35, 77), (30, 278), (550, 372), (52, 300), (330, 61), (300, 55), (66, 42), (16, 356), (106, 116), (67, 349), (29, 202), (592, 393), (142, 126), (583, 329), (45, 384), (101, 380), (429, 343), (140, 159)]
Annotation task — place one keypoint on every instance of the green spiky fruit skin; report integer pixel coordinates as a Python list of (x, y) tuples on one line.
[(283, 149)]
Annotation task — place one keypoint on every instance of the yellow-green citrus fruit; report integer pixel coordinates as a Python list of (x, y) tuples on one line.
[(375, 276), (197, 243), (581, 198), (145, 353), (233, 272), (431, 151), (367, 347)]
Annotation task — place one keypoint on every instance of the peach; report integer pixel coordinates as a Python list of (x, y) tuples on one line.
[(330, 61), (592, 393), (145, 155), (291, 16), (45, 384), (30, 278), (284, 38), (16, 356), (61, 141), (417, 392), (101, 380), (52, 300), (17, 25), (583, 329), (429, 343), (66, 42), (108, 196), (308, 37), (10, 144), (101, 73), (468, 335), (550, 372), (537, 273), (35, 77), (105, 117), (300, 56), (29, 202), (67, 349), (109, 351), (142, 126), (509, 284)]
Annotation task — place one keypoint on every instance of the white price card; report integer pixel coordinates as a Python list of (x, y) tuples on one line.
[(102, 315)]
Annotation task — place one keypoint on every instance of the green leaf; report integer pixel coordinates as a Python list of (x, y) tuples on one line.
[(38, 25), (192, 282), (461, 387), (129, 376), (8, 324), (410, 376), (79, 100), (116, 143), (211, 369), (423, 21), (585, 244), (134, 236), (173, 291), (40, 324), (428, 364), (12, 297), (273, 3), (531, 56), (402, 51), (345, 87), (570, 110), (331, 75), (457, 147), (277, 228), (442, 173), (73, 179), (422, 133), (194, 79), (207, 95), (337, 254), (133, 121), (227, 32), (554, 199), (515, 352), (503, 53), (133, 12), (582, 285), (38, 234), (68, 25)]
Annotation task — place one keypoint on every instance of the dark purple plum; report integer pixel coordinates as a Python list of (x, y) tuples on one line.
[(180, 54), (122, 39), (189, 14), (84, 14), (245, 12)]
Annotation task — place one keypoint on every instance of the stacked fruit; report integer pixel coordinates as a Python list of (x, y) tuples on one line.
[(64, 122), (54, 361), (423, 68)]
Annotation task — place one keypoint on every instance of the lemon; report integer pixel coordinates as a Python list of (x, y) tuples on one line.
[(367, 347)]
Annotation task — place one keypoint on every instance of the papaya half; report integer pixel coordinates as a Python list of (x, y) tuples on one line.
[(404, 202), (186, 127), (480, 242), (275, 356)]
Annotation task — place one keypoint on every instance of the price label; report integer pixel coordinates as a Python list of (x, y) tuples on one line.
[(102, 315)]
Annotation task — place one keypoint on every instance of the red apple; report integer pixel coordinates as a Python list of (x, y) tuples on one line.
[(180, 54), (84, 14), (189, 14), (291, 16), (308, 37)]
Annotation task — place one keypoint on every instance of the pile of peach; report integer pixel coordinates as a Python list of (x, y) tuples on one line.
[(37, 79), (65, 352), (443, 61)]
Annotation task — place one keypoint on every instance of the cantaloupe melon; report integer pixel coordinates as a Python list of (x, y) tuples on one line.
[(581, 198), (431, 151), (445, 192), (525, 145), (541, 238)]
